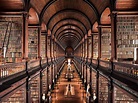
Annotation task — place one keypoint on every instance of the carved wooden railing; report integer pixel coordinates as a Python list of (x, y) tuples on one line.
[(11, 69), (129, 69)]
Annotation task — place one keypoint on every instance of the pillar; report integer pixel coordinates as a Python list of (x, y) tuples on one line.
[(39, 42), (113, 37), (97, 87), (91, 46), (25, 36), (47, 79), (110, 91), (40, 88), (99, 42)]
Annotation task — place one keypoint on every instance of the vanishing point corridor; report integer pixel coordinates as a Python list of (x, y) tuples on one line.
[(72, 91), (68, 51)]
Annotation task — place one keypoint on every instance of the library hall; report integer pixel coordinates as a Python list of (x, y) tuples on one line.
[(68, 51)]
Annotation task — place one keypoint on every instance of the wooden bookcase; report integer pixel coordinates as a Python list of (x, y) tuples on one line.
[(122, 97), (17, 97), (93, 82), (11, 39), (103, 89), (34, 89), (106, 43), (48, 46), (95, 46), (43, 46), (89, 46), (44, 81), (127, 36), (32, 43)]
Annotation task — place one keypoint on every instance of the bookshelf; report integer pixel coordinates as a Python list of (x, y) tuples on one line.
[(95, 46), (93, 82), (103, 89), (11, 39), (43, 47), (44, 81), (34, 89), (90, 45), (48, 46), (18, 97), (121, 97), (106, 43), (127, 36), (88, 75), (32, 43)]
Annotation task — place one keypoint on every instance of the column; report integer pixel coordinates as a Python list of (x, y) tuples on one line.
[(25, 36), (99, 42), (46, 46), (51, 48), (47, 79), (97, 87), (91, 46), (91, 82), (40, 87), (113, 37), (39, 42), (53, 73), (110, 91)]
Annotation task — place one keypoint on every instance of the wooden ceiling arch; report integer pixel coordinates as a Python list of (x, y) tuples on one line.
[(71, 20), (66, 41), (87, 6), (70, 31), (95, 27), (105, 18), (43, 27), (68, 34), (69, 26), (74, 11), (33, 17)]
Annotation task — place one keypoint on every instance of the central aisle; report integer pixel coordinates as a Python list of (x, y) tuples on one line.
[(69, 91)]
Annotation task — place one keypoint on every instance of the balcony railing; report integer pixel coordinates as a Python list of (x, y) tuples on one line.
[(11, 69)]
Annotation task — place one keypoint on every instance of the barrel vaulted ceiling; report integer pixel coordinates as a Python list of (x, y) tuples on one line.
[(69, 20)]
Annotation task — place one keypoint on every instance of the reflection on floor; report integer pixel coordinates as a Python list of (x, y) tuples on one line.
[(66, 91)]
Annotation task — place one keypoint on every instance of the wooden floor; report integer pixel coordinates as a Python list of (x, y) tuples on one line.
[(62, 93)]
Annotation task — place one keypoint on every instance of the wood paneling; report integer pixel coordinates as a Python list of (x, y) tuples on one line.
[(9, 5), (33, 17), (39, 4), (69, 15), (105, 18), (64, 22), (76, 4), (127, 4), (100, 4)]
